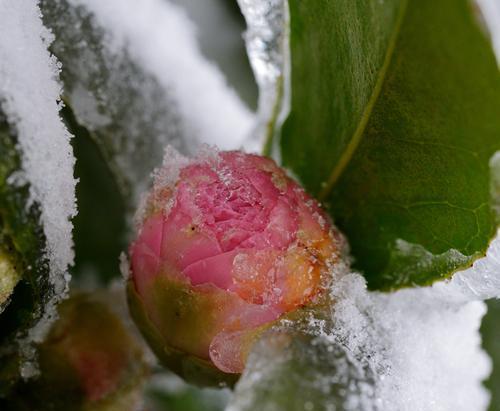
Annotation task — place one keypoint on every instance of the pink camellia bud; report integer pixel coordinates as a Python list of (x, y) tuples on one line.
[(227, 245)]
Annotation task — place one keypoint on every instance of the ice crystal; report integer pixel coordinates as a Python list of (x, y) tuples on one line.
[(267, 47)]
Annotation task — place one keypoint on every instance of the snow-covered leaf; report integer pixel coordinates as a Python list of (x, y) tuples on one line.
[(128, 94), (135, 78), (394, 120), (26, 288), (37, 188)]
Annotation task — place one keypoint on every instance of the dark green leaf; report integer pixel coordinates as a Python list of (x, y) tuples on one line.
[(395, 116), (100, 226)]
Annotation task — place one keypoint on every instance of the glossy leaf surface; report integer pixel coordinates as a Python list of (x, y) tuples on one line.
[(395, 118)]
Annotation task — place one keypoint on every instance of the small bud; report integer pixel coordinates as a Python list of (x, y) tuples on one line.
[(89, 361), (227, 244)]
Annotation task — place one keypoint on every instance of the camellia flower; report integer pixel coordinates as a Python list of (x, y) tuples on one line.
[(227, 244)]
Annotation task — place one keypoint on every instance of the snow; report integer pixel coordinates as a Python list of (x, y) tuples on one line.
[(424, 348), (129, 115), (30, 97), (160, 36), (164, 178), (491, 13)]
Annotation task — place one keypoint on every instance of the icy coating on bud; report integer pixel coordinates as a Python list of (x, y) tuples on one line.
[(227, 244)]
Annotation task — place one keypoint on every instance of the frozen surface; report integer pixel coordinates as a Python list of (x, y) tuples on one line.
[(414, 349), (30, 96), (268, 50)]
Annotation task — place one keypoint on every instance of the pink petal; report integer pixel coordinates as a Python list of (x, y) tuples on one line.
[(228, 351), (282, 227), (152, 233), (145, 252), (216, 270), (248, 315), (184, 242)]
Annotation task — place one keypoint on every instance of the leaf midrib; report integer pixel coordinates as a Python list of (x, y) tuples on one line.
[(358, 133)]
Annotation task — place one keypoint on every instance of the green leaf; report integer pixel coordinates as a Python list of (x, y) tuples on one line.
[(100, 204), (395, 115)]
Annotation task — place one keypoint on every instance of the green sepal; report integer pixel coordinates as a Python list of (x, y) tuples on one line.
[(193, 369)]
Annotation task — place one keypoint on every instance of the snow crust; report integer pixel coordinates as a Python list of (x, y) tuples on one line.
[(161, 37), (30, 97)]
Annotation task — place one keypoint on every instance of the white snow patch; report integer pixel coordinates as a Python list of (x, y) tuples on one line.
[(424, 347), (160, 35), (491, 12), (30, 97)]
